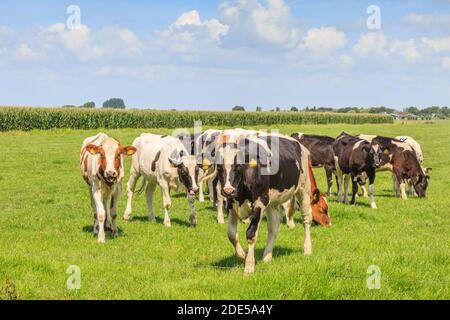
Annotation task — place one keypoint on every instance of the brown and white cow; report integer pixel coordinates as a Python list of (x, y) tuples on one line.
[(258, 175), (101, 162)]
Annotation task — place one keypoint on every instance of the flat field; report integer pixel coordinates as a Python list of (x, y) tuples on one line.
[(46, 226)]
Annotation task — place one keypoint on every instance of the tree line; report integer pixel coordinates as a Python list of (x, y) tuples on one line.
[(113, 103)]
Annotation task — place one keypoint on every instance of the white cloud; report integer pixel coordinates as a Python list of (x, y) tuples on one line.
[(323, 40), (427, 21), (24, 52), (254, 23), (407, 50), (346, 61), (438, 44), (188, 32), (446, 63), (111, 41), (370, 44)]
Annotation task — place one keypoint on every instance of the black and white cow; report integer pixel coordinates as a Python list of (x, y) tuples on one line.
[(259, 174), (322, 153), (403, 159), (163, 161), (355, 157)]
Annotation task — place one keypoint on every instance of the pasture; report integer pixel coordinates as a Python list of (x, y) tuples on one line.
[(46, 226)]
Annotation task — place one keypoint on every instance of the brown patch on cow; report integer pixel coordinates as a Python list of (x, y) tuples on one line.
[(319, 204)]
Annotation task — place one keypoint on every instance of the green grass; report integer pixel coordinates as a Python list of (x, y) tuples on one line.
[(45, 223)]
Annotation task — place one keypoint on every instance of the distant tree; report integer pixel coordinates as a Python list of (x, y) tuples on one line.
[(68, 106), (238, 108), (88, 105), (294, 109), (114, 103), (258, 109), (277, 109)]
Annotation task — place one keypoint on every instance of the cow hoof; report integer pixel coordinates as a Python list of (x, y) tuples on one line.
[(114, 234), (373, 206), (290, 225), (167, 224), (193, 223), (152, 219), (101, 240), (308, 251), (221, 221), (267, 258)]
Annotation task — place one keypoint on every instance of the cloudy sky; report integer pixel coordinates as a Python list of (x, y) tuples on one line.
[(215, 54)]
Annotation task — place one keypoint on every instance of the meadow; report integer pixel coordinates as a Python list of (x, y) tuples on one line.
[(46, 226)]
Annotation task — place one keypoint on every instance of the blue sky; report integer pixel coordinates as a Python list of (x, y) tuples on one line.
[(217, 54)]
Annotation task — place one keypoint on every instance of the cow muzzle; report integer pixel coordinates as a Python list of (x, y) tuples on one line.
[(193, 191), (111, 176), (228, 190)]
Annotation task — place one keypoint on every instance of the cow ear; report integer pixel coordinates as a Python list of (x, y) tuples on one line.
[(175, 158), (252, 164), (129, 150), (316, 196), (93, 149)]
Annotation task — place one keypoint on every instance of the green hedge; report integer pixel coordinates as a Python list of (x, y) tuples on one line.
[(24, 118)]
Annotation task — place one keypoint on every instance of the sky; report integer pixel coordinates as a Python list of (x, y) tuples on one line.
[(213, 55)]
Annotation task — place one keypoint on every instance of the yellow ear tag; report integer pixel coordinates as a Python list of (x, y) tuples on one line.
[(92, 151), (386, 151), (130, 152), (205, 164), (253, 164)]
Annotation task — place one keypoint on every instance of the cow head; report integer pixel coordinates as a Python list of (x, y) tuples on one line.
[(420, 184), (110, 158), (375, 154), (239, 165), (187, 170), (319, 206)]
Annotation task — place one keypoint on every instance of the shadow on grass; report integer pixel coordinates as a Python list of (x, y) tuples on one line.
[(160, 220), (233, 261), (90, 229)]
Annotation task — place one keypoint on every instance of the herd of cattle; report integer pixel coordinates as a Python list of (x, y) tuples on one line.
[(248, 173)]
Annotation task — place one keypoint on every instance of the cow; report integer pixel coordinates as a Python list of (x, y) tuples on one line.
[(319, 204), (163, 161), (259, 175), (354, 157), (101, 163), (402, 158), (322, 153)]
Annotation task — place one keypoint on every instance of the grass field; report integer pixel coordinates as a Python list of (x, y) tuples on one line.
[(46, 221)]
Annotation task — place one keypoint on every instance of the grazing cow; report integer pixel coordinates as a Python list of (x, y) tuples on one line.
[(319, 204), (403, 160), (101, 162), (400, 158), (354, 157), (322, 153), (163, 161), (259, 175)]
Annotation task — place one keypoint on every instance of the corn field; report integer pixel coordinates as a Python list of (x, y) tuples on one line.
[(26, 118)]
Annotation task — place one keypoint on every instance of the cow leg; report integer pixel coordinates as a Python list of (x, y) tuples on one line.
[(354, 189), (101, 214), (233, 234), (252, 236), (307, 220), (372, 189), (201, 196), (395, 184), (131, 185), (149, 194), (346, 183), (339, 182), (94, 209), (329, 174), (402, 189), (165, 191), (289, 210), (114, 206), (211, 192), (192, 216), (273, 224), (220, 200)]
